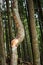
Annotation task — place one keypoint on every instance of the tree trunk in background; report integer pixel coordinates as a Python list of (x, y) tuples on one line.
[(27, 44), (2, 48), (9, 28), (27, 8), (40, 16), (9, 20), (7, 39), (36, 53), (28, 23)]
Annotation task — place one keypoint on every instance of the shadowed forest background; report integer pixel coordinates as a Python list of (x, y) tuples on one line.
[(30, 50)]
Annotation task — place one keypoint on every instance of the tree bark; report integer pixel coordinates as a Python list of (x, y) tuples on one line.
[(20, 35), (36, 53)]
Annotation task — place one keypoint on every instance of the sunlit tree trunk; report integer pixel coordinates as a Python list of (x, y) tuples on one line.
[(36, 53), (20, 35)]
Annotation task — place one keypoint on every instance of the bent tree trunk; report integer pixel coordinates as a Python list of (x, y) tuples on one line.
[(36, 54), (20, 35)]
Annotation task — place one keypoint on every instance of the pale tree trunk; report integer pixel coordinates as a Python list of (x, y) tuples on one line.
[(36, 53), (20, 35), (2, 48)]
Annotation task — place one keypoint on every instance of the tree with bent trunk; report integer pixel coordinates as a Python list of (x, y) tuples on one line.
[(20, 35)]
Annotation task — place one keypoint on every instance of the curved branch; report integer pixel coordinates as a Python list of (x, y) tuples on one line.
[(20, 35)]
